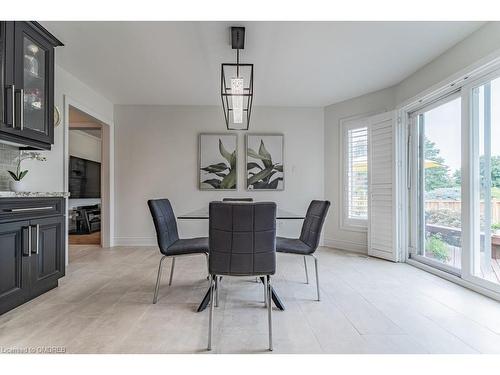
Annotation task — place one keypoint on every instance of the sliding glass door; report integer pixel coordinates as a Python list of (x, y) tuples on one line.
[(454, 183), (485, 180), (437, 162)]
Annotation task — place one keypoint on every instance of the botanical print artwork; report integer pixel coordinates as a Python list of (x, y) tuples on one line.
[(218, 157), (264, 157)]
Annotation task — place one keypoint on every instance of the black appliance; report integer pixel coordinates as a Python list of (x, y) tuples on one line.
[(84, 178)]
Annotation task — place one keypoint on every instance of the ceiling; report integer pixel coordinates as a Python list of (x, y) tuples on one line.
[(296, 63)]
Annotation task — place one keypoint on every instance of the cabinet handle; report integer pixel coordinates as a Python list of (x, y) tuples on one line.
[(29, 240), (26, 249), (21, 104), (13, 90), (37, 239), (29, 209)]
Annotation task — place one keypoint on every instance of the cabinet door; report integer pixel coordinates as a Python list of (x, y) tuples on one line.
[(34, 83), (47, 253), (14, 264), (7, 94)]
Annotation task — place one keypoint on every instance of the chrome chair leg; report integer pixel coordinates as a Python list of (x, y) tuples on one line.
[(269, 310), (305, 267), (210, 319), (172, 271), (158, 279), (317, 276), (265, 294), (217, 286)]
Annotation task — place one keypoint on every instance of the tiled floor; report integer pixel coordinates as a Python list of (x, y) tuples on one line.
[(103, 305)]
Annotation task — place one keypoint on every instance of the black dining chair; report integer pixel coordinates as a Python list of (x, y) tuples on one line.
[(242, 238), (237, 199), (168, 238), (308, 241)]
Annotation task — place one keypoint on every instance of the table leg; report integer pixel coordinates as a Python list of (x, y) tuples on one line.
[(277, 301), (275, 297)]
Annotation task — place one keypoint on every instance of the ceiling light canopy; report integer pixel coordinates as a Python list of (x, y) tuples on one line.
[(236, 97)]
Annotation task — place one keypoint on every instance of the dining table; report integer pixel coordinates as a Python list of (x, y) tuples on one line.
[(203, 214)]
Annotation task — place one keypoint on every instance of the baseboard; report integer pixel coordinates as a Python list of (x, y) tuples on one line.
[(135, 241), (355, 247)]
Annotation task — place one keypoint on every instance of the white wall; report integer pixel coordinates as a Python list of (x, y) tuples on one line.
[(49, 176), (156, 155), (334, 234), (84, 145)]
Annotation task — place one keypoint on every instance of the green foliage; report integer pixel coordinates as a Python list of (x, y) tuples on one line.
[(495, 226), (447, 194), (225, 171), (436, 177), (444, 217), (437, 247), (18, 176), (495, 174), (260, 175), (495, 171)]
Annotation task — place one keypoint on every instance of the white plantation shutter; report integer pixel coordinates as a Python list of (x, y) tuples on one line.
[(382, 212), (357, 173)]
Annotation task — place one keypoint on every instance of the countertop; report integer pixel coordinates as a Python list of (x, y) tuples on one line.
[(33, 194)]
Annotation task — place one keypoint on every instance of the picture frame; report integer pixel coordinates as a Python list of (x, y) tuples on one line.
[(218, 161), (264, 162)]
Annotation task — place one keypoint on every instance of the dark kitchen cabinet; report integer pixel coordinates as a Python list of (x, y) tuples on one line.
[(27, 61), (47, 254), (14, 264), (32, 248)]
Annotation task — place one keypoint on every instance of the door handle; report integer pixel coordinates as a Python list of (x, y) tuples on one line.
[(409, 169)]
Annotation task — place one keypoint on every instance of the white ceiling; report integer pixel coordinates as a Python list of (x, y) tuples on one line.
[(296, 63)]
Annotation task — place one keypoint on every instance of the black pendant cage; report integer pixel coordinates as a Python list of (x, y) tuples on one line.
[(226, 94)]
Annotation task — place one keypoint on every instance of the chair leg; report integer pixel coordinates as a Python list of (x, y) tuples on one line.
[(269, 310), (317, 275), (265, 294), (210, 319), (305, 267), (172, 272), (158, 279), (217, 286)]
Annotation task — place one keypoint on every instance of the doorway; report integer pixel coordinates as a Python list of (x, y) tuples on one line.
[(84, 179)]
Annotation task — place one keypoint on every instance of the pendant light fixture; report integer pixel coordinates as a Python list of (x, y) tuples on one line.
[(236, 97)]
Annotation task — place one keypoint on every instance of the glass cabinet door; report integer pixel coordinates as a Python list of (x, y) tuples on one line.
[(34, 86), (34, 78)]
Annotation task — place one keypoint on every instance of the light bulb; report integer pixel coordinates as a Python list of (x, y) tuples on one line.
[(237, 99)]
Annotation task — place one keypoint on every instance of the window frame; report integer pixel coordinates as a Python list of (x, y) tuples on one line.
[(350, 123)]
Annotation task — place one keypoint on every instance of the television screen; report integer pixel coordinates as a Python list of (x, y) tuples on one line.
[(84, 178)]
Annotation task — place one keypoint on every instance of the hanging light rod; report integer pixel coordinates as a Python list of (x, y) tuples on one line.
[(236, 98)]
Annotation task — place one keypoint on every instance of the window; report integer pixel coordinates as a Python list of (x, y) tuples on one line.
[(355, 173)]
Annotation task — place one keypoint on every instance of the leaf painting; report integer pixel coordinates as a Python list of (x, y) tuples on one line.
[(262, 172), (222, 174)]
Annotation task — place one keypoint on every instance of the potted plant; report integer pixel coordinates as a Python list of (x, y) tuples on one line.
[(17, 184)]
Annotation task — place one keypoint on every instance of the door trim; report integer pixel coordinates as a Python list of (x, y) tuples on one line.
[(107, 164)]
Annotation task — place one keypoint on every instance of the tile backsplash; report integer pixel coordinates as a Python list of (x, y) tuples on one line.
[(8, 155)]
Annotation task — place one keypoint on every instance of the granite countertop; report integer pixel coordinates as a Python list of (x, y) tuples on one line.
[(33, 194)]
